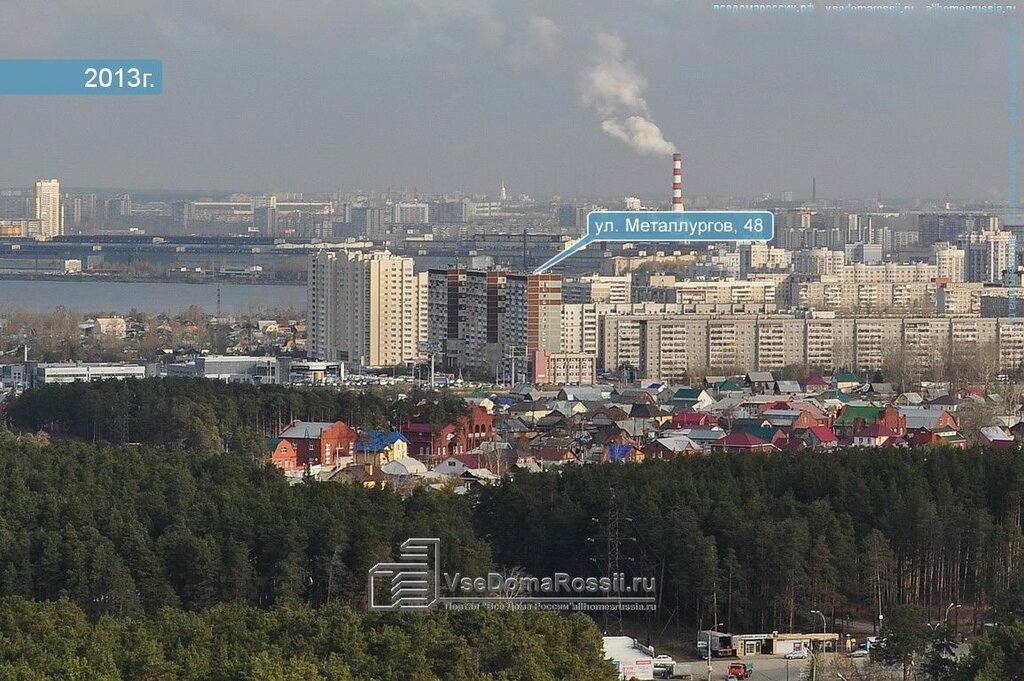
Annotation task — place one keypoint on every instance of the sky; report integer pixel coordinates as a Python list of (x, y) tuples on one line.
[(580, 98)]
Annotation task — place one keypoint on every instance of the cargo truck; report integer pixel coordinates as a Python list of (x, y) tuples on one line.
[(721, 644)]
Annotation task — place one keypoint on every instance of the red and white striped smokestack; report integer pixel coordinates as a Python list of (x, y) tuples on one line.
[(677, 183)]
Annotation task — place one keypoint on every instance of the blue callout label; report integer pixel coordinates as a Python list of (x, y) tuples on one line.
[(649, 226), (81, 77)]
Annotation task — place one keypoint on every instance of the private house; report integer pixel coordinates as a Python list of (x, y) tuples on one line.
[(817, 437), (623, 453), (789, 419), (845, 382), (855, 417), (404, 470), (692, 398), (922, 437), (996, 437), (704, 437), (930, 419), (671, 446), (893, 419), (283, 455), (787, 387), (691, 419), (367, 476), (549, 457), (813, 384), (877, 435), (377, 448), (457, 465), (728, 387), (768, 433), (742, 442), (467, 433), (304, 444), (759, 382)]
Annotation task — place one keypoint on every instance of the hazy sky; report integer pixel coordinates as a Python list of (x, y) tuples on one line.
[(458, 94)]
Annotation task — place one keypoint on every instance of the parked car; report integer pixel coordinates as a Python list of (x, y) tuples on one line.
[(859, 652), (798, 654), (664, 662)]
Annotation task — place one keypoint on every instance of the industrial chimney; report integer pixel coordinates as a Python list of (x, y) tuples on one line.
[(677, 183)]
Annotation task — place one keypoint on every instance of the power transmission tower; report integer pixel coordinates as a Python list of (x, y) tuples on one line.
[(612, 535)]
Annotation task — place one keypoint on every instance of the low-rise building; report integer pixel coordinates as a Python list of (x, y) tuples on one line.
[(69, 372), (231, 369)]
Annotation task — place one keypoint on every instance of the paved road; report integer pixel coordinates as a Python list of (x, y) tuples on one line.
[(766, 668)]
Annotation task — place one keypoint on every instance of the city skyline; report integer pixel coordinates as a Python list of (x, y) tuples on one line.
[(462, 95)]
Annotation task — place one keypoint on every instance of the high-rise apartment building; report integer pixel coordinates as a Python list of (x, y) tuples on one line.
[(364, 308), (410, 213), (950, 261), (951, 227), (986, 255), (48, 207), (368, 222), (544, 312), (264, 215), (463, 317), (821, 261), (487, 320), (450, 211), (680, 346), (597, 288)]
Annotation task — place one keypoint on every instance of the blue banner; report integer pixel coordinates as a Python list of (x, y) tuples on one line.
[(81, 77)]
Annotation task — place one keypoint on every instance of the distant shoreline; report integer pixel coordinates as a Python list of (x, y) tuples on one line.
[(124, 279)]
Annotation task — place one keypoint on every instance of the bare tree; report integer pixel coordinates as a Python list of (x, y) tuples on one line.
[(973, 416)]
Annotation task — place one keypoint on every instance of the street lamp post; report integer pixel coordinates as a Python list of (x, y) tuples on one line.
[(708, 651), (717, 624), (945, 616), (824, 627), (948, 608)]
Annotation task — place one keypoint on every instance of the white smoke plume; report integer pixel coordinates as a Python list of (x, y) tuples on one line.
[(613, 88)]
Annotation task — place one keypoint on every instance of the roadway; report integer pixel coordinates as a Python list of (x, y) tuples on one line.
[(772, 668)]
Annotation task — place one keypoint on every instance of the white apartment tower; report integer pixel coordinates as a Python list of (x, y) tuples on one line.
[(950, 261), (364, 308), (48, 208)]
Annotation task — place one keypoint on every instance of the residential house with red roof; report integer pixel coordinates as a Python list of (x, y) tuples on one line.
[(694, 419), (303, 444), (467, 433), (891, 418), (922, 437), (742, 442), (817, 437), (815, 384)]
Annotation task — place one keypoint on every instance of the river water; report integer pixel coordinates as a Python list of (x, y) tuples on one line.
[(91, 296)]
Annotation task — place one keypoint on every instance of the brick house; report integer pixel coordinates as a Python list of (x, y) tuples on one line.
[(303, 444), (465, 435)]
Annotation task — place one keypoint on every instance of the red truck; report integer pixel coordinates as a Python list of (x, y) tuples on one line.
[(741, 670)]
